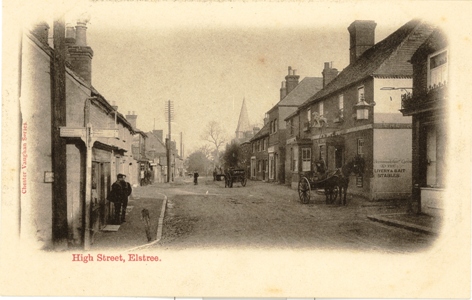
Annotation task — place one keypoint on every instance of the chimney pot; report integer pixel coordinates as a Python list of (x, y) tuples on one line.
[(81, 33)]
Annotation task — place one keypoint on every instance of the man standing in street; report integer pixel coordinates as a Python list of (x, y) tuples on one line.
[(120, 190), (126, 192)]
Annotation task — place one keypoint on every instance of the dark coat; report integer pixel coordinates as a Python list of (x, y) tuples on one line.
[(119, 192)]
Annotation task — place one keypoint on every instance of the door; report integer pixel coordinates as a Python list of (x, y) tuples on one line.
[(338, 157)]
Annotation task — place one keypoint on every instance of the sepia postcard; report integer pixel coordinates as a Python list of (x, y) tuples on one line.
[(236, 149)]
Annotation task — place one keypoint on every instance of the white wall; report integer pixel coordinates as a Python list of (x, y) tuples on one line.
[(392, 164)]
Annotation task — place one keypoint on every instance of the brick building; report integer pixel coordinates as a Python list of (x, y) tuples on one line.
[(259, 155), (292, 94), (427, 105), (357, 113)]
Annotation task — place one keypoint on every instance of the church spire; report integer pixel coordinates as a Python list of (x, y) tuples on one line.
[(243, 123)]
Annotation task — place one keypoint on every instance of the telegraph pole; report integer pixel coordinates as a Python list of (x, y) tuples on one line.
[(58, 107), (169, 117)]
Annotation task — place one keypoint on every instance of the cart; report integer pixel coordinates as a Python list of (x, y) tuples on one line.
[(312, 181), (235, 175)]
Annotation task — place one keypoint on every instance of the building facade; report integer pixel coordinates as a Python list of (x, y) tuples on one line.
[(292, 94), (427, 105), (259, 154), (96, 139), (357, 114)]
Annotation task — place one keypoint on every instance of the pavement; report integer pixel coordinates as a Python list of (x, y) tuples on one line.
[(131, 235)]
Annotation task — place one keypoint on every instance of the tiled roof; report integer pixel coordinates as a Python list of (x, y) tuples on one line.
[(388, 58), (263, 132), (304, 90), (436, 41)]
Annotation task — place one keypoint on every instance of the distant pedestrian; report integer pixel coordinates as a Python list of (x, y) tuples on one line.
[(195, 178)]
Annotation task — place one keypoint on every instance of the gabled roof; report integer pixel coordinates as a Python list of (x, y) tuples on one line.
[(436, 41), (305, 89), (261, 133), (388, 58)]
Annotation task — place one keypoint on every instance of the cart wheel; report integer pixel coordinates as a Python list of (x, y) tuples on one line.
[(243, 181), (304, 190)]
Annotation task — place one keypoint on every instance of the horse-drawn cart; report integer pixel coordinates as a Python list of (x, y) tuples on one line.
[(311, 182), (333, 182), (235, 175)]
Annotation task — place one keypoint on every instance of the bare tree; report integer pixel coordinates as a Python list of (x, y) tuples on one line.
[(215, 135)]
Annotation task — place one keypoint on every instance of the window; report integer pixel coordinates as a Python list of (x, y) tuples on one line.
[(437, 69), (271, 128), (275, 125), (265, 144), (295, 159), (321, 109), (290, 125), (260, 165), (360, 146), (308, 115), (360, 94), (341, 105), (306, 159)]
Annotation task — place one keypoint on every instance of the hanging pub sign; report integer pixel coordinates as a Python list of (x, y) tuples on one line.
[(359, 181)]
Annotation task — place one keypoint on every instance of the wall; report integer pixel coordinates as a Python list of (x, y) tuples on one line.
[(388, 102), (35, 105), (392, 164)]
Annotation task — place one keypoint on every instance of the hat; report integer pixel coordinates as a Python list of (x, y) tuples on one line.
[(121, 175)]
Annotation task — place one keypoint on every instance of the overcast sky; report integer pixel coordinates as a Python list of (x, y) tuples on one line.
[(206, 57)]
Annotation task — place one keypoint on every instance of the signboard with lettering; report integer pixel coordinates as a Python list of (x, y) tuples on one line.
[(72, 132), (105, 133)]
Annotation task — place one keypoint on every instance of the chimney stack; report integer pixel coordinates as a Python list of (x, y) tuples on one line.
[(362, 37), (291, 80), (329, 73), (41, 32), (132, 119), (79, 54), (283, 91)]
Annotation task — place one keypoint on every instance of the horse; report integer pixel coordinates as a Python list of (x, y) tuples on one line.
[(356, 166)]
